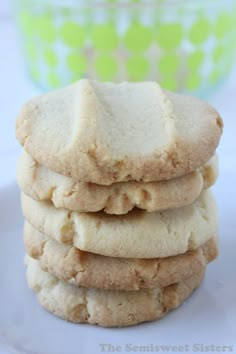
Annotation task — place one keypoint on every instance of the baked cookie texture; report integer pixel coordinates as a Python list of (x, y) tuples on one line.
[(138, 234), (94, 271), (104, 133), (119, 220), (106, 308), (41, 183)]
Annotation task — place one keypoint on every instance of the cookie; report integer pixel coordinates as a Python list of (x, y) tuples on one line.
[(138, 234), (106, 308), (41, 183), (94, 271), (115, 132)]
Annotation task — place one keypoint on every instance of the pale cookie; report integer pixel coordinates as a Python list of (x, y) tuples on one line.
[(94, 271), (106, 132), (41, 183), (106, 308), (138, 234)]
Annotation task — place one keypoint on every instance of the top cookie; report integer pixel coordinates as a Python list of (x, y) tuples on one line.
[(105, 132)]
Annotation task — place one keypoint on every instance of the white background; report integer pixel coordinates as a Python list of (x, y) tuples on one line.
[(210, 318)]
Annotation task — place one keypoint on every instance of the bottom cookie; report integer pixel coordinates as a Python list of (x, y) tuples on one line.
[(105, 307)]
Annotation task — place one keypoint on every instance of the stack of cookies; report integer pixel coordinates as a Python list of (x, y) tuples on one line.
[(119, 221)]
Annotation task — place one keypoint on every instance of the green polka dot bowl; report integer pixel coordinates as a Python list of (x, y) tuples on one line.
[(187, 46)]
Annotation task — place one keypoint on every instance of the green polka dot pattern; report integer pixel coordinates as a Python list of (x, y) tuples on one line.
[(218, 52), (169, 35), (50, 57), (214, 76), (25, 21), (30, 51), (104, 37), (188, 55), (195, 60), (76, 63), (105, 67), (223, 25), (45, 29), (169, 82), (52, 80), (199, 31), (34, 72), (193, 81), (137, 67), (168, 64), (72, 34), (137, 37)]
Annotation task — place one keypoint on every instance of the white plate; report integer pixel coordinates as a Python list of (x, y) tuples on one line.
[(207, 318)]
